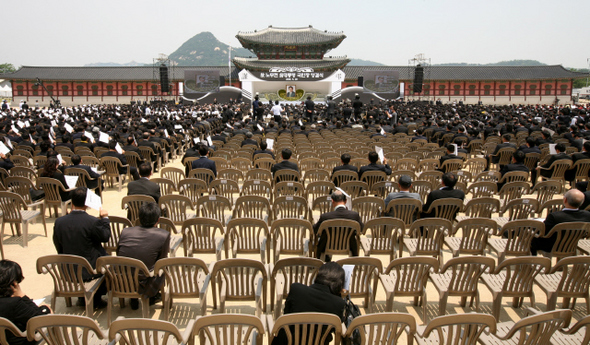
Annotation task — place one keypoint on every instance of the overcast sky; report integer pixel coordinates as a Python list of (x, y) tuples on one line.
[(74, 32)]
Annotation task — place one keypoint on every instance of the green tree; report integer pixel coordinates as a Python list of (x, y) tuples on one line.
[(7, 68), (579, 83)]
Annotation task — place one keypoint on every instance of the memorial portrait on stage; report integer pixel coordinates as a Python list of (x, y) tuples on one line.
[(201, 81), (291, 91), (382, 82)]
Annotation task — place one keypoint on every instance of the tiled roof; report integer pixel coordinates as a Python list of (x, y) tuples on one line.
[(473, 72), (318, 65), (134, 73), (290, 36), (145, 73)]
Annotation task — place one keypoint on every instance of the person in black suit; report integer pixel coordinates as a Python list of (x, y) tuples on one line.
[(323, 296), (66, 142), (112, 152), (204, 162), (285, 164), (249, 140), (570, 175), (357, 105), (6, 163), (131, 147), (79, 233), (340, 212), (505, 143), (446, 191), (531, 146), (76, 159), (450, 155), (373, 158), (560, 149), (263, 146), (571, 212), (146, 142), (148, 244), (309, 108), (419, 135), (516, 165), (144, 186), (345, 160)]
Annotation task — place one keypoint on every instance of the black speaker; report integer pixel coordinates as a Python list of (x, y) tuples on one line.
[(418, 79), (221, 80), (164, 84), (360, 81)]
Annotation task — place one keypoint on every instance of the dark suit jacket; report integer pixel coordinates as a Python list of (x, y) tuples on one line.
[(6, 164), (131, 148), (371, 167), (93, 175), (205, 163), (147, 245), (79, 233), (316, 298), (263, 151), (446, 157), (498, 147), (513, 167), (249, 142), (339, 213), (345, 167), (121, 157), (144, 186), (554, 218), (284, 165), (445, 192)]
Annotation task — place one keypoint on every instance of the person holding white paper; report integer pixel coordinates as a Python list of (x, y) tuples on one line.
[(50, 170), (93, 183), (6, 163), (122, 170), (263, 149), (560, 154), (373, 166)]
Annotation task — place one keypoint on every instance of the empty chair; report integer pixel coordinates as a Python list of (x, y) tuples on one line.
[(202, 174), (224, 187), (307, 328), (427, 237), (15, 212), (385, 234), (247, 236), (514, 176), (408, 277), (475, 233), (382, 328), (175, 207), (220, 329), (213, 206), (167, 186), (185, 278), (383, 188), (488, 176), (239, 280), (546, 190), (289, 188), (230, 174), (203, 235), (482, 189), (372, 177), (459, 277), (316, 175), (515, 238), (514, 277), (368, 207), (143, 331), (64, 330), (524, 208), (291, 237), (535, 329), (193, 188), (66, 272), (465, 329), (513, 190), (259, 174), (251, 206), (290, 207), (364, 278), (434, 177), (480, 208), (286, 175), (569, 278)]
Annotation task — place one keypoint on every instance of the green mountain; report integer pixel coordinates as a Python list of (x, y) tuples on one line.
[(501, 63), (361, 62), (205, 50)]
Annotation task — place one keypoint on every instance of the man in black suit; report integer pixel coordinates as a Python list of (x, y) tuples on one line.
[(66, 142), (263, 146), (148, 244), (340, 212), (204, 162), (400, 128), (571, 212), (131, 146), (570, 175), (530, 146), (148, 143), (249, 140), (345, 160), (76, 159), (144, 186), (357, 105), (505, 143), (285, 164), (450, 155), (446, 191), (373, 158), (112, 152), (516, 165), (419, 135), (309, 108), (6, 163), (560, 149), (81, 234)]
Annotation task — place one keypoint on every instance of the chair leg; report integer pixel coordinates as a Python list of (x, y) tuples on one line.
[(442, 304), (496, 305), (552, 300), (109, 307), (42, 215), (145, 307), (25, 234)]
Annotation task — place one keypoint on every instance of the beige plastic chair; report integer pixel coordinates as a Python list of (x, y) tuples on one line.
[(581, 167), (247, 236), (84, 178), (515, 238), (213, 206), (143, 331), (174, 174), (176, 207), (459, 277), (446, 208), (427, 236), (480, 208), (264, 163), (504, 156), (385, 234), (111, 165), (289, 188), (7, 326), (523, 208), (286, 175), (423, 188), (26, 172), (290, 236), (259, 174), (364, 278), (536, 329), (382, 328), (316, 175), (368, 207), (238, 329), (558, 169), (515, 176), (257, 187), (202, 174), (514, 277), (317, 189), (251, 206), (338, 233), (464, 329), (408, 277), (341, 176), (15, 212), (117, 225), (290, 207), (575, 334), (482, 189), (452, 165), (373, 177), (383, 188), (132, 203), (405, 209), (239, 280), (122, 275), (546, 190), (568, 236), (224, 187), (193, 188), (488, 176), (203, 235), (355, 188), (286, 272), (64, 330), (475, 233), (167, 186), (307, 328), (569, 278), (147, 153), (185, 278), (52, 187), (66, 271)]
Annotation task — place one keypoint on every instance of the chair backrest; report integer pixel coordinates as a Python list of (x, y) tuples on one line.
[(7, 326), (290, 207), (239, 278), (289, 188), (488, 176), (384, 233), (202, 174), (513, 190), (519, 234), (167, 186), (63, 329), (213, 206), (308, 328), (365, 274), (252, 206), (531, 159), (21, 186), (259, 174), (245, 235), (475, 232), (382, 328), (132, 203), (338, 234), (122, 274), (520, 273), (51, 187), (238, 329), (193, 188), (286, 175), (66, 271), (318, 188), (452, 165), (559, 167), (355, 188), (264, 163), (176, 207), (372, 177), (111, 165), (523, 208), (257, 187), (515, 176), (199, 235), (342, 176), (482, 207), (294, 270), (143, 331), (133, 158), (546, 190), (446, 208), (368, 207), (406, 164), (314, 175), (575, 276), (568, 236), (117, 225), (383, 188), (412, 273), (482, 189), (465, 273), (224, 187), (11, 204), (230, 174), (430, 233), (290, 233), (421, 187), (173, 174), (540, 328), (405, 209), (184, 276), (460, 329), (82, 174)]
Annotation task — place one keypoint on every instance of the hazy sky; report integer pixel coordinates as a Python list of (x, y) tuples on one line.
[(74, 32)]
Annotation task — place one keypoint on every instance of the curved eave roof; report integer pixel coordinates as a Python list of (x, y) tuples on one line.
[(290, 36), (253, 64)]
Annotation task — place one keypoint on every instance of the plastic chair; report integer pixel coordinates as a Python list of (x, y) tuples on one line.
[(203, 235), (465, 329), (574, 335), (302, 328), (52, 188), (143, 331), (384, 328), (15, 212), (405, 209), (66, 271), (192, 188), (248, 236), (291, 237), (480, 208), (173, 174), (213, 206), (427, 237), (524, 208), (251, 206), (176, 207), (569, 278), (289, 188), (84, 178), (117, 225), (386, 233), (7, 326), (368, 207), (202, 174), (167, 187), (112, 166), (364, 278), (235, 329), (64, 330), (568, 236), (338, 234), (516, 237), (342, 176), (446, 208), (132, 203), (475, 231)]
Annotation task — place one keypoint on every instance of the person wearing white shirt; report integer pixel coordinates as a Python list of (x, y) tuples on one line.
[(276, 111)]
